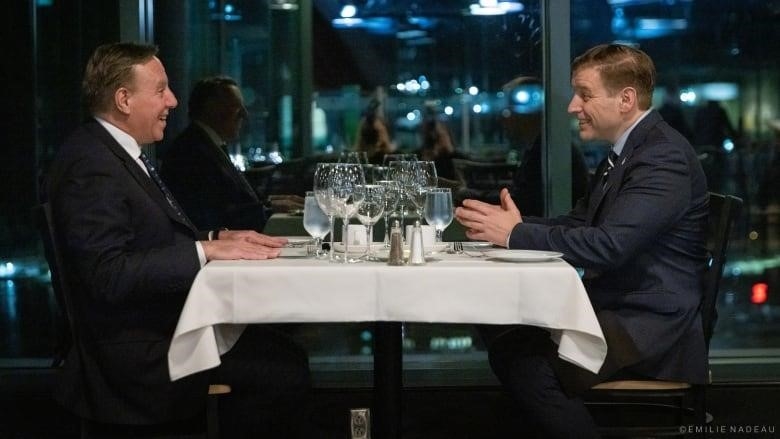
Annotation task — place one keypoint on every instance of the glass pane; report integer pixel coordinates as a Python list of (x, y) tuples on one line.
[(722, 93)]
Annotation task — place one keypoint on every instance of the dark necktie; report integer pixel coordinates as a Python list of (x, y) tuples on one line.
[(612, 158), (164, 189)]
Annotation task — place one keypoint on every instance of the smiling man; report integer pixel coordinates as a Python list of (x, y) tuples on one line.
[(639, 235), (131, 256)]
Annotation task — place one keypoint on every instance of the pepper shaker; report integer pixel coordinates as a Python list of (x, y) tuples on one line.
[(396, 255)]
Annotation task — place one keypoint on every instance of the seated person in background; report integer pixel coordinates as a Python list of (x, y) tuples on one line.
[(131, 255), (436, 145), (196, 166), (639, 235), (373, 137), (523, 125)]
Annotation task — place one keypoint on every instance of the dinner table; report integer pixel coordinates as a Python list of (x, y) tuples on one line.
[(474, 283)]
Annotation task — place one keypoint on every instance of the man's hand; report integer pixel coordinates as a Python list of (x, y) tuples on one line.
[(243, 244), (252, 237), (489, 222), (227, 249)]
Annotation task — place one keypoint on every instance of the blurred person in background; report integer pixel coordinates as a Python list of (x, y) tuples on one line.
[(373, 137), (197, 166), (523, 127)]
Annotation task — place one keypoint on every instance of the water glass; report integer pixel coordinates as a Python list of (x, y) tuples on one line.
[(315, 221), (438, 209), (323, 193)]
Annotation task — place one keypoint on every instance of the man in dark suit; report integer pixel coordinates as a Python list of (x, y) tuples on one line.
[(131, 256), (197, 168), (639, 235)]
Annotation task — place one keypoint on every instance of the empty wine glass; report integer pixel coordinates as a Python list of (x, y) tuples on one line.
[(392, 195), (324, 195), (438, 209), (344, 179), (369, 212), (397, 158), (315, 221), (424, 178)]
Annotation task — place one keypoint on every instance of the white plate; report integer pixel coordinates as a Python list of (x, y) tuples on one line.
[(476, 245), (523, 255), (377, 246), (297, 241)]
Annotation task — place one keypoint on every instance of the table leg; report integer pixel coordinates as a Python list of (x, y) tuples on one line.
[(388, 381)]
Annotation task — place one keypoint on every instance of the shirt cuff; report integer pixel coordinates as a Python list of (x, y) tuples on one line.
[(201, 253)]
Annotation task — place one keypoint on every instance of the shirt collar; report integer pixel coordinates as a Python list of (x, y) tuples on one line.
[(126, 141), (621, 141)]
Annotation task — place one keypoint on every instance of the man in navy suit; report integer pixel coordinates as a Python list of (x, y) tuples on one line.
[(197, 168), (639, 236), (131, 256)]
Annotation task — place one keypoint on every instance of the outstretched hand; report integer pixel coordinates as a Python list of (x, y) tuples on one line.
[(253, 237), (489, 222)]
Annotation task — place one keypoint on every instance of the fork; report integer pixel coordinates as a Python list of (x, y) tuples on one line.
[(457, 247)]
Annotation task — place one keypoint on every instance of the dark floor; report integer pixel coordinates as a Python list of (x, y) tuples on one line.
[(27, 411)]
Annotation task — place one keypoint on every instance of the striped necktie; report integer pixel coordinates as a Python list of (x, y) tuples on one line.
[(164, 189), (612, 158)]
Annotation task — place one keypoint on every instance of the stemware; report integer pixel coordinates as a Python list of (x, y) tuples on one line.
[(315, 221), (344, 180), (397, 158), (424, 178), (324, 196), (438, 209), (369, 212), (392, 195)]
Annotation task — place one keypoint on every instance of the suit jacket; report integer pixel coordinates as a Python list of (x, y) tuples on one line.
[(211, 190), (640, 238), (129, 263)]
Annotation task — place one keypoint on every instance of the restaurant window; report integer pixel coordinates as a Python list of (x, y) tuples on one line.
[(718, 82), (309, 69)]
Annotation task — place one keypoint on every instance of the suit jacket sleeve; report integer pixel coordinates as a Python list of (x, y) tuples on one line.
[(650, 195), (121, 244)]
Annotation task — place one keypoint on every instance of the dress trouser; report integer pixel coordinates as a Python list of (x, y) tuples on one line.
[(547, 388)]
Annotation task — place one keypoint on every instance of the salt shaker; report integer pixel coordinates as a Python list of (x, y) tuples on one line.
[(396, 256), (416, 249)]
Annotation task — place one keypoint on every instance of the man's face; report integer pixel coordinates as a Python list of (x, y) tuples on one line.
[(596, 109), (149, 101), (231, 115)]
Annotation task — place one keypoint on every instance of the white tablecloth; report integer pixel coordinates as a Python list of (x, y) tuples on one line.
[(227, 295)]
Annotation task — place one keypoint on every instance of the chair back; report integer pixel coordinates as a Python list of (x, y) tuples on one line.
[(52, 251), (724, 210)]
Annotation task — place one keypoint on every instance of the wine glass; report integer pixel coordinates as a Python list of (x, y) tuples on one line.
[(402, 172), (425, 179), (315, 221), (324, 196), (438, 209), (392, 195), (369, 212), (346, 199), (397, 158)]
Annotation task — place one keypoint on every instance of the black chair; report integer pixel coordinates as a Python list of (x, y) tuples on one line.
[(654, 400), (69, 330), (482, 180)]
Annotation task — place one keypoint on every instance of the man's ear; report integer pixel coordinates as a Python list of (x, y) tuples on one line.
[(628, 99), (122, 100)]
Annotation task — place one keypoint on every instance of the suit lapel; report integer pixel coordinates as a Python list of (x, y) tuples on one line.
[(615, 177), (215, 153), (134, 169)]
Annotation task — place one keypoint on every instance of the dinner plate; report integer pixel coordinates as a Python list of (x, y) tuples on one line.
[(523, 255), (477, 245), (384, 253), (296, 241)]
